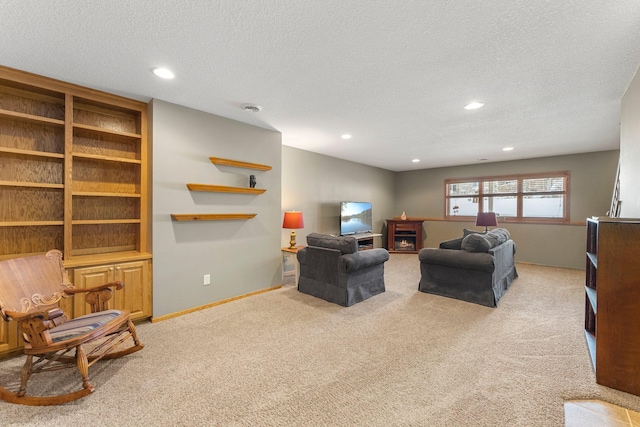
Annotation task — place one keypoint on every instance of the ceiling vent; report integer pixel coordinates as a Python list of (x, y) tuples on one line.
[(252, 108)]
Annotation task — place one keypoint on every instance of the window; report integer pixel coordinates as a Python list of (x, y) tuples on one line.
[(518, 198)]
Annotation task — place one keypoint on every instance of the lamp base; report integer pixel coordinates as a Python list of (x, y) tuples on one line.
[(292, 242)]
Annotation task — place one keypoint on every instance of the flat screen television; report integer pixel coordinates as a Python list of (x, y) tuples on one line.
[(355, 217)]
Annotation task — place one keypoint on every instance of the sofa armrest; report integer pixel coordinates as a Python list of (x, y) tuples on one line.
[(363, 259), (480, 261), (504, 257)]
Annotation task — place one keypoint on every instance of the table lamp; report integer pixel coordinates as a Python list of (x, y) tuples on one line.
[(486, 220), (293, 220)]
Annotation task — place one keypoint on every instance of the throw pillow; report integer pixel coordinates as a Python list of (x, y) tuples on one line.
[(452, 244), (478, 243), (466, 232)]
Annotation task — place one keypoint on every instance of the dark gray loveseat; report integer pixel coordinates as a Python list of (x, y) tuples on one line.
[(332, 268), (477, 268)]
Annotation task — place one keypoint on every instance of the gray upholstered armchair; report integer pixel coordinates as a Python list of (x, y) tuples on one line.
[(333, 269)]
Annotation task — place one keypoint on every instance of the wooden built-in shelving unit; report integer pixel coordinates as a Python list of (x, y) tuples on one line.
[(73, 177), (223, 189)]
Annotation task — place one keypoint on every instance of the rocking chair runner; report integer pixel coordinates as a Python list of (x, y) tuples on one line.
[(30, 289)]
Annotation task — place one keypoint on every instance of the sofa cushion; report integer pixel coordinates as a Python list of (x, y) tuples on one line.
[(455, 259), (345, 244)]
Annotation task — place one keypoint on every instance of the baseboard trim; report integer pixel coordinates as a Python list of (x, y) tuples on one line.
[(212, 304)]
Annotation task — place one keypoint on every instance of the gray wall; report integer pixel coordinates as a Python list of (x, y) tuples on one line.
[(244, 256), (240, 256), (421, 194), (316, 184), (630, 150)]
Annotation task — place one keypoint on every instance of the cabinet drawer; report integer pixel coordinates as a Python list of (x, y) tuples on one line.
[(405, 227)]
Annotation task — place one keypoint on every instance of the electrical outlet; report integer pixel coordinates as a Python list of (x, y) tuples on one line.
[(207, 280)]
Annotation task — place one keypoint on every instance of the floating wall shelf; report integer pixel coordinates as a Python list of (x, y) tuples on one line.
[(238, 164), (211, 217), (224, 189)]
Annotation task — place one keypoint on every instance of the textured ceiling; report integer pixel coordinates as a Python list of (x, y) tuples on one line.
[(394, 74)]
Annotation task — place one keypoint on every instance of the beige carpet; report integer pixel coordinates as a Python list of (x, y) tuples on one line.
[(402, 358)]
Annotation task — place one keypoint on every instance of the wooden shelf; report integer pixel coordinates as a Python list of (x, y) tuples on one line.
[(212, 217), (104, 221), (106, 131), (30, 223), (30, 118), (239, 164), (106, 158), (104, 258), (593, 298), (31, 153), (591, 347), (593, 258), (101, 194), (30, 184), (224, 189)]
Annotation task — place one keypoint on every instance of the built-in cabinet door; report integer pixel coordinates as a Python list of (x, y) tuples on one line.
[(8, 336), (90, 277), (135, 296)]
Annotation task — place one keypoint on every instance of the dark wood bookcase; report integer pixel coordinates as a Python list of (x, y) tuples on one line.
[(612, 301)]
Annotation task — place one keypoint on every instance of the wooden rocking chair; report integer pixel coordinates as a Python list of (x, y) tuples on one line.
[(30, 289)]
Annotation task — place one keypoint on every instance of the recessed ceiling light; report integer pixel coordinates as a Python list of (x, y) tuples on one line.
[(346, 136), (482, 160), (473, 105), (163, 73), (507, 149), (415, 160), (252, 108)]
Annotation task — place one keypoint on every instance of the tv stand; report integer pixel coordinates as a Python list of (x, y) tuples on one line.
[(365, 240)]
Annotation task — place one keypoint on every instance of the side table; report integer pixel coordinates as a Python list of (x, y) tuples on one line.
[(290, 267)]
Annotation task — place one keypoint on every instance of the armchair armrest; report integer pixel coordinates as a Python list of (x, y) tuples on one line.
[(363, 259), (97, 297)]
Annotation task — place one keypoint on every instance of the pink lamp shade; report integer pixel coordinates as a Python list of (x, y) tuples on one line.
[(293, 220), (486, 220)]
